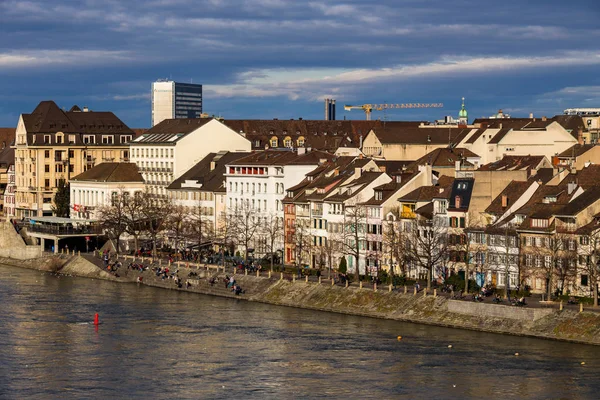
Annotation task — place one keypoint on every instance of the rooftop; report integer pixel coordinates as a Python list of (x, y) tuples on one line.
[(111, 172)]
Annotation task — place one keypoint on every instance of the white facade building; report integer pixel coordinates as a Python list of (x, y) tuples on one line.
[(95, 187), (174, 146)]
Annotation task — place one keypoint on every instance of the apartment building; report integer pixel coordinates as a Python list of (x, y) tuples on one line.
[(97, 186), (167, 150), (53, 144)]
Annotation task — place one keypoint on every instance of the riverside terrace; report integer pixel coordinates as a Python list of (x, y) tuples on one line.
[(201, 274), (57, 228)]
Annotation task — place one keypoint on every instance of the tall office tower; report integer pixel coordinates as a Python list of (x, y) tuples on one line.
[(329, 109), (175, 100)]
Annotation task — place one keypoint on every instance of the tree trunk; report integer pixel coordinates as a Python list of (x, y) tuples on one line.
[(357, 270), (429, 278), (466, 278), (549, 288), (271, 258), (596, 295)]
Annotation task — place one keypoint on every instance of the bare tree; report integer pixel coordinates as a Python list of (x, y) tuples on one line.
[(245, 224), (392, 243), (201, 227), (113, 216), (503, 252), (566, 258), (302, 241), (332, 246), (155, 213), (176, 224), (589, 250), (272, 231), (225, 234), (355, 233), (134, 218), (428, 244)]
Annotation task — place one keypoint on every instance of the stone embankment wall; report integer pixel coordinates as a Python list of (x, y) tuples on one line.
[(565, 325), (13, 246)]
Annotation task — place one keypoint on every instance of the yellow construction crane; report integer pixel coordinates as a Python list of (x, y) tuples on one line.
[(369, 108)]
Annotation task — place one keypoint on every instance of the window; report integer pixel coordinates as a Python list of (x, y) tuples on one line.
[(273, 142), (287, 142), (300, 141), (584, 280), (125, 138), (71, 153), (46, 153), (107, 139), (47, 168), (89, 139), (71, 139), (47, 139)]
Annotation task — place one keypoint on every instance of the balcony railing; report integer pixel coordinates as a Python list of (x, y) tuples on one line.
[(408, 214), (317, 211), (65, 230)]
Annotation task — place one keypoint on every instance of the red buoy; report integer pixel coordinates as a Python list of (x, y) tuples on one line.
[(96, 319)]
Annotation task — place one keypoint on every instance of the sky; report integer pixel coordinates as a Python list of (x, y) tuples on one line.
[(264, 59)]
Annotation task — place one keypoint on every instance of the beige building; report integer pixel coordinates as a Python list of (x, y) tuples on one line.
[(52, 144)]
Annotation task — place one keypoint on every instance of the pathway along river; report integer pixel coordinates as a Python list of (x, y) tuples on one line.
[(156, 343)]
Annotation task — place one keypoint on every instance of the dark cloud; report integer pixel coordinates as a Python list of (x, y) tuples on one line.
[(277, 58)]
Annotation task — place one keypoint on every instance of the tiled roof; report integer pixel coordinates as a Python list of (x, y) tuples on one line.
[(396, 134), (444, 157), (111, 172), (7, 136), (576, 150), (513, 191), (49, 118), (7, 156), (211, 178), (513, 163), (284, 157), (428, 193), (171, 130)]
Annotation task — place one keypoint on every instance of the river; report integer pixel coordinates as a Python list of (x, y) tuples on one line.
[(159, 344)]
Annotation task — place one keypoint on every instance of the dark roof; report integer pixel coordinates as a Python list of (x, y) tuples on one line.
[(392, 133), (544, 175), (513, 191), (7, 136), (428, 193), (171, 130), (572, 123), (576, 150), (111, 172), (586, 177), (210, 178), (49, 118), (463, 188), (284, 157), (7, 156), (581, 202), (444, 157), (513, 163)]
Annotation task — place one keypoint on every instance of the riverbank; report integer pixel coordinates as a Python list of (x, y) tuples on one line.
[(566, 325), (548, 323)]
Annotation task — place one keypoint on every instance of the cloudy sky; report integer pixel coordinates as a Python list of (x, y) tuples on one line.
[(281, 58)]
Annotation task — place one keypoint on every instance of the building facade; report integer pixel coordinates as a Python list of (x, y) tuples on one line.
[(175, 100), (53, 145)]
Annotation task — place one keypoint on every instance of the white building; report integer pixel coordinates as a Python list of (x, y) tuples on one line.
[(172, 147), (95, 187), (259, 181), (175, 100)]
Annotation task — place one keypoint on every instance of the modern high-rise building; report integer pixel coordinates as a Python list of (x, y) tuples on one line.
[(329, 109), (175, 100)]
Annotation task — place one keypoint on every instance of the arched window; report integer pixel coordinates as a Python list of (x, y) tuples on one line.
[(300, 141), (273, 142), (287, 142)]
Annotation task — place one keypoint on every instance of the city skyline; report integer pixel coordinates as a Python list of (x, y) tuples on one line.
[(280, 59)]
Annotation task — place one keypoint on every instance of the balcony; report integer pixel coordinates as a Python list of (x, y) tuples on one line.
[(317, 211), (408, 215)]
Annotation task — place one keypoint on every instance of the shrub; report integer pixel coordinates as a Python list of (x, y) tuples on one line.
[(459, 284), (384, 277), (343, 268)]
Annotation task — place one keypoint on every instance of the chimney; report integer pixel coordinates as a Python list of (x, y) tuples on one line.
[(360, 142), (457, 165), (580, 135), (212, 165), (357, 172), (544, 118), (530, 115), (301, 151), (308, 149), (504, 201), (571, 187), (399, 178), (85, 109)]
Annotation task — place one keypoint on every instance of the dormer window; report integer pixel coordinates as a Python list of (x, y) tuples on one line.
[(539, 223), (287, 142), (550, 199), (273, 142), (300, 141), (378, 195)]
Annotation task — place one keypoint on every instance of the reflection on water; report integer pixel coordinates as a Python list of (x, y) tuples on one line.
[(156, 343)]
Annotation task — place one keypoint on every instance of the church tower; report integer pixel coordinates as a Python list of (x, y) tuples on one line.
[(463, 117)]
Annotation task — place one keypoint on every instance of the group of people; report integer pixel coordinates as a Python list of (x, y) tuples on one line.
[(230, 283)]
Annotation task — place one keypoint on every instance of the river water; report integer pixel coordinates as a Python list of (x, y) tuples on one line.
[(156, 343)]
